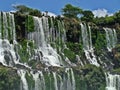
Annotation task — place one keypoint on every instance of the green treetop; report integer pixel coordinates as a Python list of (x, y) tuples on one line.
[(71, 11)]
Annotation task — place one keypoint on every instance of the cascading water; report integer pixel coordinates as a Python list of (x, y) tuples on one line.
[(50, 56), (7, 34), (111, 38), (43, 36), (64, 83), (73, 79), (5, 26), (55, 80), (87, 44), (39, 80), (113, 82), (24, 85)]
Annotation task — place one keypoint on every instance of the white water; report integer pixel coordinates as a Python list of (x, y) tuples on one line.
[(22, 73), (66, 82), (39, 80), (5, 26), (113, 82), (12, 24), (79, 61), (111, 38), (42, 81), (50, 56), (87, 44), (7, 53), (60, 83), (73, 79), (41, 37), (55, 80), (69, 84)]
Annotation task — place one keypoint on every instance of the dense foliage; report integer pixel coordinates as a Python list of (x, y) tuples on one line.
[(22, 9), (9, 80), (71, 11)]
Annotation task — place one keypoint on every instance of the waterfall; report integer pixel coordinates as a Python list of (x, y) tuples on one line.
[(55, 80), (111, 38), (12, 24), (39, 80), (41, 37), (44, 60), (113, 82), (68, 82), (87, 44), (60, 83), (22, 73), (50, 56), (7, 34), (65, 83), (73, 79), (5, 26)]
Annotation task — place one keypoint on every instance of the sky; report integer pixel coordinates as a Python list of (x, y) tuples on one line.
[(99, 7)]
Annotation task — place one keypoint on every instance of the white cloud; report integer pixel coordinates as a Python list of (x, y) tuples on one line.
[(13, 11), (49, 14), (101, 13)]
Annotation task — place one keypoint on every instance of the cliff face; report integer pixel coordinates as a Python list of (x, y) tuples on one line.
[(56, 53)]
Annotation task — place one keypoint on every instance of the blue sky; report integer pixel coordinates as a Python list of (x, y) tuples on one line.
[(55, 5)]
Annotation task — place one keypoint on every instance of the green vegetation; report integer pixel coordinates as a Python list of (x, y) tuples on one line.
[(29, 23), (24, 52), (71, 11), (91, 78), (71, 55), (88, 77), (9, 79), (100, 42), (22, 9), (88, 16), (116, 71)]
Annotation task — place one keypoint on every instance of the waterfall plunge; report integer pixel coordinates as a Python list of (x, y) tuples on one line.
[(111, 38), (87, 44)]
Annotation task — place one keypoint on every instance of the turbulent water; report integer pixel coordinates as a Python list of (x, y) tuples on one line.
[(43, 37)]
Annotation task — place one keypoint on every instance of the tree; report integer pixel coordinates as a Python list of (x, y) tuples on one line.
[(110, 20), (117, 16), (35, 12), (88, 16), (22, 9), (71, 11)]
